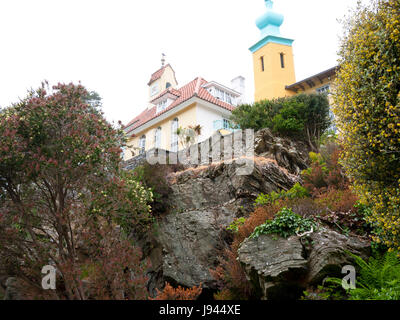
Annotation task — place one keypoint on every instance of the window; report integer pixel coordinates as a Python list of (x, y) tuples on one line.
[(219, 94), (324, 89), (174, 135), (226, 124), (154, 90), (162, 106), (262, 64), (167, 85), (157, 138), (228, 98), (282, 60), (142, 144)]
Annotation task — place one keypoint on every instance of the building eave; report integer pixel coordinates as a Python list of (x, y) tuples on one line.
[(311, 81)]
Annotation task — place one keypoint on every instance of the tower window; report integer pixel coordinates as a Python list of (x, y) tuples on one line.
[(282, 60), (262, 64)]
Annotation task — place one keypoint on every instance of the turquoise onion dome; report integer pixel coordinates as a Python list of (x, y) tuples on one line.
[(270, 21)]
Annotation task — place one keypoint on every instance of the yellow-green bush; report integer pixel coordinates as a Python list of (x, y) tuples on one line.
[(367, 110)]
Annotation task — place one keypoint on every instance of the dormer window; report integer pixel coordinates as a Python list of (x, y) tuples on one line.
[(223, 96), (222, 93), (163, 104)]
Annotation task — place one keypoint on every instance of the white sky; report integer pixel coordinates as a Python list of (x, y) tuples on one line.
[(113, 46)]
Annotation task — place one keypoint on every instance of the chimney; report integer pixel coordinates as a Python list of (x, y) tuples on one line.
[(238, 84)]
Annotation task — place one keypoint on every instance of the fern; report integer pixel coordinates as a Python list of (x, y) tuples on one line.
[(378, 279)]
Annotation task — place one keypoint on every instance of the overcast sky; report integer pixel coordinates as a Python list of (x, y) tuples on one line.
[(113, 46)]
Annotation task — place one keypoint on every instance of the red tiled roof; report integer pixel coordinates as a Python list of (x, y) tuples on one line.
[(173, 91), (157, 75), (192, 89)]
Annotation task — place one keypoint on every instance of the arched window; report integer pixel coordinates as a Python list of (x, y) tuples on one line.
[(174, 135), (157, 138), (167, 85), (142, 144)]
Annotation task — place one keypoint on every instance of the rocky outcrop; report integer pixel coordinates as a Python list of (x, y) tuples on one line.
[(283, 268), (275, 266), (206, 198), (289, 154), (204, 201)]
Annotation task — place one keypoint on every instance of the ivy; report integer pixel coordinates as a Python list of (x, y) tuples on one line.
[(285, 224)]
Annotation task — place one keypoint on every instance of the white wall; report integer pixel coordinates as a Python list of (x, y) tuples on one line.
[(206, 117)]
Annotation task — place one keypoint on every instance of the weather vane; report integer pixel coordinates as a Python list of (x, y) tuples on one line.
[(162, 59)]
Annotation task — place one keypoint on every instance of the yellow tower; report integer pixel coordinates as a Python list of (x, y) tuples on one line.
[(272, 58)]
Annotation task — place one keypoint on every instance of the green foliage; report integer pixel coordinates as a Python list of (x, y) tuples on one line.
[(296, 192), (367, 110), (324, 293), (285, 224), (378, 279), (63, 192), (325, 171), (234, 226), (304, 116)]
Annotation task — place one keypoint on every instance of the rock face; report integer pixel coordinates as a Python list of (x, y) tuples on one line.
[(288, 154), (205, 200), (281, 268), (274, 266)]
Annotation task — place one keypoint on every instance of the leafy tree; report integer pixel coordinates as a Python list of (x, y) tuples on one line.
[(367, 108), (304, 116), (65, 200)]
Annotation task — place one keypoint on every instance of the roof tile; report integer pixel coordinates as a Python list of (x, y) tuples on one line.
[(193, 88)]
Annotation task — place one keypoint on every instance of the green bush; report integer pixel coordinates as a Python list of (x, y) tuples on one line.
[(285, 224), (234, 226), (304, 116), (296, 192)]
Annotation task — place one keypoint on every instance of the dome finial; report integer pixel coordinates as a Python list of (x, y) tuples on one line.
[(269, 4), (270, 21)]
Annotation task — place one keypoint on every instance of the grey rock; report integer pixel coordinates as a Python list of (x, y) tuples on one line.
[(329, 253), (274, 265), (282, 268)]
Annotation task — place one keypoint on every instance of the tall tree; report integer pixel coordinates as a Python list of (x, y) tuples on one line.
[(64, 199), (367, 108)]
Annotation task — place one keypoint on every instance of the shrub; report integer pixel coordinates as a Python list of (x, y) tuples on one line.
[(231, 278), (325, 172), (170, 293), (296, 192), (234, 226), (367, 110), (258, 217), (304, 116), (62, 194), (285, 224)]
